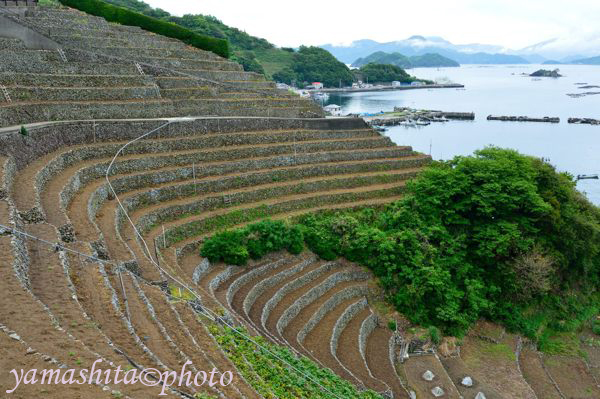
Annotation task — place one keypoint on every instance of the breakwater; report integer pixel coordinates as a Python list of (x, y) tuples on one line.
[(585, 121), (409, 116), (546, 119), (390, 88)]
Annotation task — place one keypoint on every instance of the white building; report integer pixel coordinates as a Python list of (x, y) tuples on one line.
[(333, 109), (396, 83)]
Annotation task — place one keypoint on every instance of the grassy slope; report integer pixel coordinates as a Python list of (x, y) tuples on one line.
[(273, 60)]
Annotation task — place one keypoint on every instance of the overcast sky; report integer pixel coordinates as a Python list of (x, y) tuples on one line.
[(510, 23)]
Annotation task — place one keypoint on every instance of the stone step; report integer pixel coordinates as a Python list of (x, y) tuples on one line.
[(177, 82), (209, 92), (62, 81), (46, 25), (65, 68), (18, 114), (11, 44), (133, 41), (141, 52), (219, 76), (27, 94), (184, 63)]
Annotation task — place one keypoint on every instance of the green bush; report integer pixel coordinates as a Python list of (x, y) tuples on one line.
[(596, 327), (227, 246), (434, 335), (126, 17), (24, 131), (254, 241), (392, 325)]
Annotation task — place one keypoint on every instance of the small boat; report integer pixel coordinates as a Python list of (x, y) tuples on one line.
[(440, 119), (379, 129), (407, 123), (421, 122), (321, 96)]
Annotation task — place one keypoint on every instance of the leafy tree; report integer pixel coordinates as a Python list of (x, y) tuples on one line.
[(402, 61), (384, 73), (314, 64), (285, 76), (248, 61)]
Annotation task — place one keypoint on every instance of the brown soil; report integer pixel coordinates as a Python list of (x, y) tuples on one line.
[(349, 353), (256, 309), (496, 365), (534, 373), (290, 298), (147, 330), (572, 377), (414, 368), (13, 356), (317, 342), (457, 370), (379, 363)]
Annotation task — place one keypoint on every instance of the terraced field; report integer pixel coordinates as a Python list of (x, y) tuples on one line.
[(100, 259), (88, 68)]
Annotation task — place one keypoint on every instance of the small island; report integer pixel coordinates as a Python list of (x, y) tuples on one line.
[(544, 73)]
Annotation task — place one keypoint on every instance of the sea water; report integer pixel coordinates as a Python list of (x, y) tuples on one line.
[(500, 90)]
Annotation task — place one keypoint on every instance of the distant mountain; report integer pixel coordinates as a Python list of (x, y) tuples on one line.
[(402, 61), (588, 61), (420, 45), (551, 62), (566, 48)]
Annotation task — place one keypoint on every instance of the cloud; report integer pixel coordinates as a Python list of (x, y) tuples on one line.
[(509, 23)]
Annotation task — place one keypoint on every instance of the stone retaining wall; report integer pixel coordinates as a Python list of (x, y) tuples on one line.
[(366, 328), (341, 323), (16, 114), (200, 271), (265, 284), (47, 80), (314, 293), (198, 227), (83, 94), (188, 188), (219, 279), (43, 140), (139, 41), (23, 64), (251, 275), (328, 306), (174, 212), (291, 286)]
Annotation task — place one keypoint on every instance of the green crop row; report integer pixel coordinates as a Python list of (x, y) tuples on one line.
[(275, 372)]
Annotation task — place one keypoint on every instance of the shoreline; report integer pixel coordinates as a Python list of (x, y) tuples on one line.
[(389, 88)]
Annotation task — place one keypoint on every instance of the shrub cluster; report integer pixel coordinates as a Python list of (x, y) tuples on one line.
[(254, 241), (497, 235), (127, 17)]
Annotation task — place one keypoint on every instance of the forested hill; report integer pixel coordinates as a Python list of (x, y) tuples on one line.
[(428, 60)]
